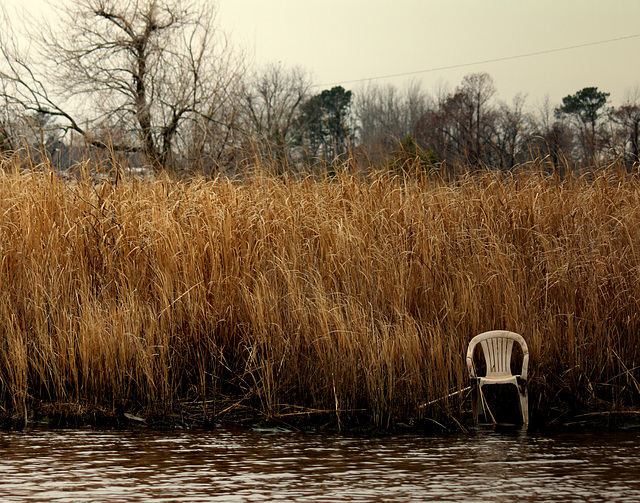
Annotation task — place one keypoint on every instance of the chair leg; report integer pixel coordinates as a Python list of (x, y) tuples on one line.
[(524, 403), (480, 408), (474, 400)]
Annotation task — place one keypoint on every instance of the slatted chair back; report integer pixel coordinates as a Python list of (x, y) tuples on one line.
[(497, 347)]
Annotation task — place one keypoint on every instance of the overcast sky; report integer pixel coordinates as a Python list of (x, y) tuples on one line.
[(340, 41), (344, 40)]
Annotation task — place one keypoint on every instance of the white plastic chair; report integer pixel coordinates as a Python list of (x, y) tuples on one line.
[(497, 346)]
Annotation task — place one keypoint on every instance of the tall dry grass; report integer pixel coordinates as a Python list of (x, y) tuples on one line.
[(294, 296)]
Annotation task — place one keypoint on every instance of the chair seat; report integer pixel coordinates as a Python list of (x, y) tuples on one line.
[(509, 379)]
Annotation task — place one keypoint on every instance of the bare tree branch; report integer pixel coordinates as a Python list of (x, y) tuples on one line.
[(152, 67)]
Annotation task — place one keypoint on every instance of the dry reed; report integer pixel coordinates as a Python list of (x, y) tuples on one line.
[(296, 296)]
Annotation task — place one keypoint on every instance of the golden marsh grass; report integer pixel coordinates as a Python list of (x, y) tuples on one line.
[(356, 296)]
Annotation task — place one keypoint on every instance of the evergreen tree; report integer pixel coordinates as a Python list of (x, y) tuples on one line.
[(323, 124), (586, 107)]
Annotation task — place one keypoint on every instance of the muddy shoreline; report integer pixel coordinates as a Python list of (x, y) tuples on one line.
[(236, 414)]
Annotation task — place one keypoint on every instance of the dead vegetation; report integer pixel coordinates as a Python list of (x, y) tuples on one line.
[(343, 299)]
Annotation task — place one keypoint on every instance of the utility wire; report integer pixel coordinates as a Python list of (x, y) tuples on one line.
[(495, 60)]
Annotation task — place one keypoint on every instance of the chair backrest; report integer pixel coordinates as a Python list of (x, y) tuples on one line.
[(497, 346)]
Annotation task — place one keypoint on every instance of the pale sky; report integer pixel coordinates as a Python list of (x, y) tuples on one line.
[(344, 40)]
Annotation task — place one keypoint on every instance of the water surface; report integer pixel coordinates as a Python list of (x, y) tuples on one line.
[(239, 465)]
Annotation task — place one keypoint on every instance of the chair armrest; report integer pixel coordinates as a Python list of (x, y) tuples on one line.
[(525, 366), (470, 369)]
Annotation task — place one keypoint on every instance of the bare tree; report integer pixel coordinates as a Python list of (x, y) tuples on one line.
[(460, 127), (551, 139), (155, 70), (379, 110), (387, 115), (627, 119), (511, 132), (478, 89), (416, 103), (8, 125), (271, 100)]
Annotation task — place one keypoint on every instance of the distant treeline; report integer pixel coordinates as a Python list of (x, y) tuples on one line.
[(163, 88)]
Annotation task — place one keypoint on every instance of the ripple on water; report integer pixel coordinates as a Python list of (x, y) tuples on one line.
[(226, 465)]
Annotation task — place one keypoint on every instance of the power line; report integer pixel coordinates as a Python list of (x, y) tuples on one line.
[(482, 62)]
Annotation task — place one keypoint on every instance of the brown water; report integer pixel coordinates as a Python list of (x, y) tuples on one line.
[(238, 465)]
